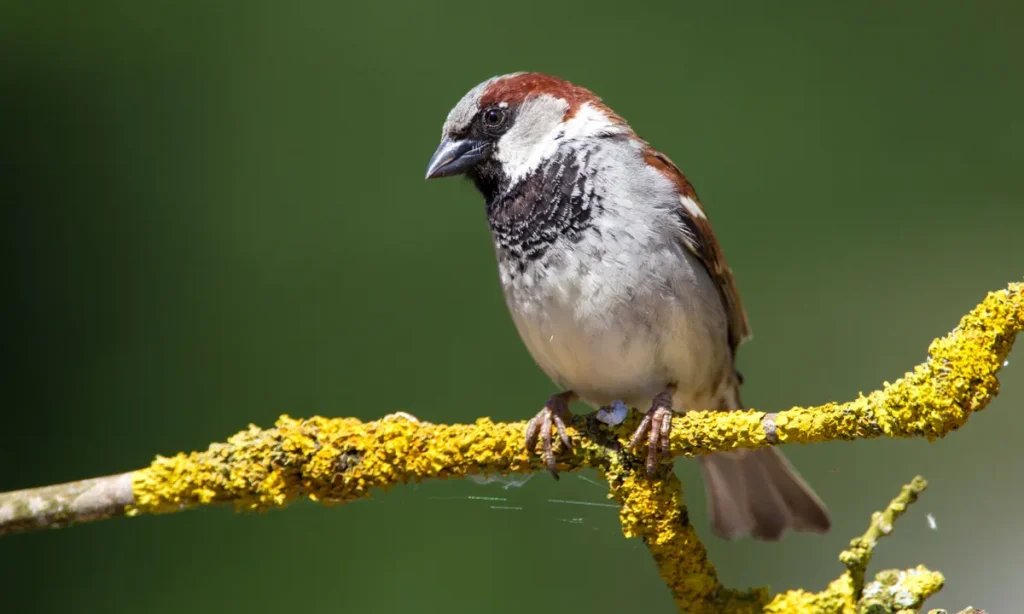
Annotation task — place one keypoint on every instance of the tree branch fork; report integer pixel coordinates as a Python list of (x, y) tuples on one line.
[(336, 460)]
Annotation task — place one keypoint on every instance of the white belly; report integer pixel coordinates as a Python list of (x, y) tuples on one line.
[(619, 327)]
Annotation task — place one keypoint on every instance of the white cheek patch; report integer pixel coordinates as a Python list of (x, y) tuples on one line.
[(539, 131), (533, 138)]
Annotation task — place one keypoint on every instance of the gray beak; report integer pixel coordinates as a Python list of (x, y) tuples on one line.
[(454, 157)]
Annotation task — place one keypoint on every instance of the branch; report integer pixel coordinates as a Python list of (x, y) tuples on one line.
[(857, 557), (653, 510), (336, 460), (891, 591), (66, 504)]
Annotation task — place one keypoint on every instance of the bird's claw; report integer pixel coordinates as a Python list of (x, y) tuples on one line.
[(657, 425), (555, 414)]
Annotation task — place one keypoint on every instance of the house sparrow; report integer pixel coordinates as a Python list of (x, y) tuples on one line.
[(615, 282)]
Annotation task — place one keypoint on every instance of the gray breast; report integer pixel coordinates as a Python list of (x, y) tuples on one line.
[(612, 305)]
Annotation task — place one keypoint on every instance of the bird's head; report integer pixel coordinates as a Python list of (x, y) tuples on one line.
[(506, 127)]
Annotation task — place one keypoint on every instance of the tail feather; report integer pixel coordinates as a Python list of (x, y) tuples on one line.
[(758, 493)]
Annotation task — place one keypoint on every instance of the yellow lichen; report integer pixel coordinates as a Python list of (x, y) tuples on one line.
[(921, 583), (652, 509), (837, 598)]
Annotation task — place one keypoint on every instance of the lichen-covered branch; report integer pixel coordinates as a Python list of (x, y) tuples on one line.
[(891, 591), (653, 510), (858, 555), (335, 460)]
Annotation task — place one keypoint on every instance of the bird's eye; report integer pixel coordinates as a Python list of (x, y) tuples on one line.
[(494, 118)]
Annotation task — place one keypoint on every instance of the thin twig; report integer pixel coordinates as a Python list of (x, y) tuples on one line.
[(858, 555)]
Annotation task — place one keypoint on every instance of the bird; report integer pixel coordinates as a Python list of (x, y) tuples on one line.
[(616, 283)]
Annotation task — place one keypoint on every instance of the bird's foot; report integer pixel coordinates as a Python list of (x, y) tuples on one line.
[(657, 425), (555, 414)]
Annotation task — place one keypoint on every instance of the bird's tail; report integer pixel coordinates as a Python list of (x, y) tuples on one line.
[(758, 493)]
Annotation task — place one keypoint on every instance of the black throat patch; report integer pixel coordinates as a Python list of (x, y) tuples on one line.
[(557, 200)]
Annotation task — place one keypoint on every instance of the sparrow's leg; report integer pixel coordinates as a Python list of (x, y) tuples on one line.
[(657, 424), (556, 412)]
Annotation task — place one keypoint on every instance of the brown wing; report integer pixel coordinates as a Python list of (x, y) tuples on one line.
[(702, 242)]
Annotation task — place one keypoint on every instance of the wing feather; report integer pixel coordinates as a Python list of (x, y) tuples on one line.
[(700, 240)]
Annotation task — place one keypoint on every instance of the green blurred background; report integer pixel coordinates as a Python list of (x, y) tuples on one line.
[(214, 213)]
